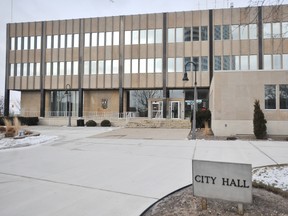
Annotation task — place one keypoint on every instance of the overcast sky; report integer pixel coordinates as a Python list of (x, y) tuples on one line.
[(40, 10)]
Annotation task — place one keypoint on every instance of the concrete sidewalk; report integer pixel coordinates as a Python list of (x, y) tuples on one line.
[(88, 171)]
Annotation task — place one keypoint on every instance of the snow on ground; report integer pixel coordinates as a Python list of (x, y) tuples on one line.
[(276, 176), (9, 143)]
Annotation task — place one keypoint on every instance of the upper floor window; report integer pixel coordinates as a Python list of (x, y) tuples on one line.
[(49, 41), (12, 43), (69, 40), (151, 36), (204, 33), (19, 43), (87, 40), (108, 40), (195, 33), (179, 35), (171, 35), (226, 32), (243, 32), (217, 32), (76, 40), (62, 41), (187, 34), (235, 32), (267, 30), (252, 31)]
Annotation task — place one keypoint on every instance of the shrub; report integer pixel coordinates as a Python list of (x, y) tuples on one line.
[(106, 123), (91, 123), (259, 122)]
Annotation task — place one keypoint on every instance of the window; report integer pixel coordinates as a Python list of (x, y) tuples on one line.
[(87, 40), (158, 65), (217, 62), (68, 68), (93, 67), (285, 29), (187, 67), (127, 66), (19, 44), (38, 44), (270, 96), (69, 40), (243, 32), (244, 62), (171, 65), (75, 68), (179, 65), (127, 37), (151, 38), (25, 43), (171, 35), (267, 30), (62, 41), (276, 61), (204, 33), (179, 34), (226, 62), (235, 63), (285, 61), (116, 38), (204, 63), (115, 67), (101, 67), (142, 65), (150, 67), (195, 33), (108, 66), (12, 43), (55, 68), (38, 69), (158, 33), (108, 38), (235, 32), (217, 32), (12, 70), (86, 67), (226, 32), (101, 38), (252, 31), (253, 62), (196, 61), (134, 65), (61, 68), (48, 69), (143, 38), (55, 41), (94, 39), (276, 30), (283, 96), (187, 34), (267, 62), (49, 42), (18, 70), (25, 69), (31, 69), (76, 40), (32, 42), (135, 37)]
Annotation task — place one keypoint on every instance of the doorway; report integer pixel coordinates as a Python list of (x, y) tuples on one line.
[(157, 109), (175, 109)]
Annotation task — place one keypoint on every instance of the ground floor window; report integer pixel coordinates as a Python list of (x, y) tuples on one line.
[(270, 96), (202, 101), (283, 96), (60, 103)]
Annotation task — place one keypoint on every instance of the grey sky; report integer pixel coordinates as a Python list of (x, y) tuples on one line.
[(38, 10)]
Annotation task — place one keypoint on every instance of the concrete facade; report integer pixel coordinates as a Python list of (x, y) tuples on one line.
[(238, 53)]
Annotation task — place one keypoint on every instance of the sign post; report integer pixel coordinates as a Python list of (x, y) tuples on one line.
[(221, 180)]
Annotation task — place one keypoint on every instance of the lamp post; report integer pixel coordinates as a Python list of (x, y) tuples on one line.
[(185, 78), (68, 94)]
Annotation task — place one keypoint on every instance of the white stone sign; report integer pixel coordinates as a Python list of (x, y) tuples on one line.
[(219, 180)]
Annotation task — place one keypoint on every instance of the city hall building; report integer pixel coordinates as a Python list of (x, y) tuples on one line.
[(134, 64)]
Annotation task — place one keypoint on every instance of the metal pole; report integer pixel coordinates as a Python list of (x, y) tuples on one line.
[(185, 78), (68, 93), (69, 122)]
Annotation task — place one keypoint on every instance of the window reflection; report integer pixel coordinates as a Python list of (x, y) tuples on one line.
[(93, 67), (100, 67), (87, 40), (276, 30), (134, 65), (217, 62), (101, 38), (187, 34), (267, 30), (115, 67), (226, 62), (179, 34), (276, 61), (204, 33), (150, 68), (62, 41), (270, 96), (226, 32), (127, 37), (94, 39), (86, 67), (76, 40), (283, 96), (61, 69), (127, 66), (285, 29), (204, 63), (108, 66), (217, 32)]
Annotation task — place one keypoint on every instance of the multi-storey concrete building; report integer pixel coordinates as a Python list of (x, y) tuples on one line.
[(241, 55)]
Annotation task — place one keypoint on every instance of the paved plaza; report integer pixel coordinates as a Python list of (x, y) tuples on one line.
[(92, 171)]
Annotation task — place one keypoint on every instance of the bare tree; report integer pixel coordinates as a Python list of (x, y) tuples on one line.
[(142, 97)]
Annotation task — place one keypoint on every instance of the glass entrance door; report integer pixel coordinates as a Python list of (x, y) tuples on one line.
[(175, 109), (157, 109)]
